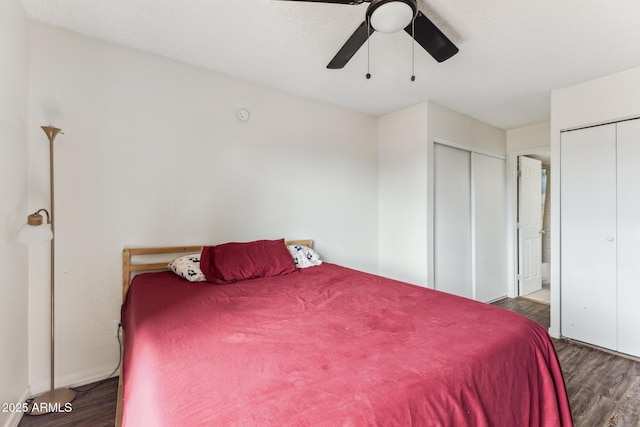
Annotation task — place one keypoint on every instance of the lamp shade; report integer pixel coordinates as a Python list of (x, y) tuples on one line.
[(34, 234)]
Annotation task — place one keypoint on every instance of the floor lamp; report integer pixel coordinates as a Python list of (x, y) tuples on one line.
[(36, 231)]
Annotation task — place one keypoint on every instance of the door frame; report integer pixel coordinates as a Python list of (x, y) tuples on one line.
[(512, 214)]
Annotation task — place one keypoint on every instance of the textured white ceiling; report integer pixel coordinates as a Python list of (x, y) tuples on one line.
[(512, 52)]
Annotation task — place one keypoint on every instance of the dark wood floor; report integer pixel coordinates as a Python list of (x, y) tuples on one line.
[(95, 408), (604, 389)]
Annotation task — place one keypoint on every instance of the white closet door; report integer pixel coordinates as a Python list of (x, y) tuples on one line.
[(489, 227), (588, 233), (628, 144), (452, 218)]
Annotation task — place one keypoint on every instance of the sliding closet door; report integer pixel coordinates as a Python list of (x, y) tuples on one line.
[(588, 235), (452, 218), (628, 145), (490, 232)]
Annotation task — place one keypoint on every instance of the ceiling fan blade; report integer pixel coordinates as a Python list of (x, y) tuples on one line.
[(346, 52), (334, 1), (432, 39)]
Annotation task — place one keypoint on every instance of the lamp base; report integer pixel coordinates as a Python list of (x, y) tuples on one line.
[(57, 401)]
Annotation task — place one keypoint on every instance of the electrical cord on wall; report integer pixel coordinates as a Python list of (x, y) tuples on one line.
[(84, 390)]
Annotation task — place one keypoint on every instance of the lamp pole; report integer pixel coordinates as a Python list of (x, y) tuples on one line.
[(55, 399), (51, 133)]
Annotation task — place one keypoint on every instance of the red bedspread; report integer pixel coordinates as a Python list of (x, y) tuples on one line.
[(334, 347)]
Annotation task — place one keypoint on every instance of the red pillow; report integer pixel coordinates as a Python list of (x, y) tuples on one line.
[(231, 262)]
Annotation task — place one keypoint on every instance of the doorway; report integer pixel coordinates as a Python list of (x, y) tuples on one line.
[(533, 217)]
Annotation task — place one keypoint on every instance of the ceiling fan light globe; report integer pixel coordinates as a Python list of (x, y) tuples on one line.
[(392, 16)]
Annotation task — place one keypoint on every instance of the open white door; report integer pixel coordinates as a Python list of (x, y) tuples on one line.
[(529, 224)]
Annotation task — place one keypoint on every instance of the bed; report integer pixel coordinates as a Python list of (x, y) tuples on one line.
[(327, 346)]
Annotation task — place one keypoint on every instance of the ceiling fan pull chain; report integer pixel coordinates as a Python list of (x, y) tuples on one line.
[(368, 35), (413, 49)]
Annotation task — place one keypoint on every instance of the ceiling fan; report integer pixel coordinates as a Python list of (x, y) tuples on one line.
[(390, 16)]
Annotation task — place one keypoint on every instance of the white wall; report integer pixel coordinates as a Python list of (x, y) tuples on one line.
[(153, 154), (529, 137), (606, 99), (405, 141), (13, 209), (402, 190)]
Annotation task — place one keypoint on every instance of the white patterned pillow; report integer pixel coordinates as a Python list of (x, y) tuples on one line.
[(304, 256), (188, 267)]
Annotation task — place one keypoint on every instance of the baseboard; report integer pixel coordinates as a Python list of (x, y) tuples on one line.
[(75, 380), (15, 417)]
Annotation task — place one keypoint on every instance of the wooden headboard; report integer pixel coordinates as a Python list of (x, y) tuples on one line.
[(137, 260)]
